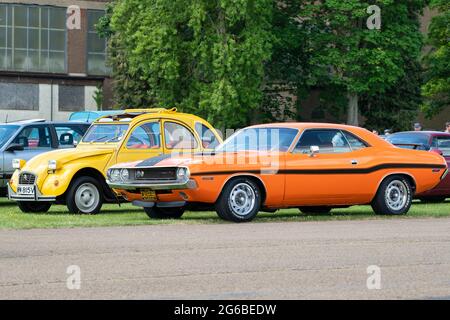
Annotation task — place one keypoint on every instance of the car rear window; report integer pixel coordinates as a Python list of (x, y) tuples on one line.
[(409, 141)]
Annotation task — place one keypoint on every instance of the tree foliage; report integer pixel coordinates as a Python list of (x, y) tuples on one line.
[(201, 56), (437, 88)]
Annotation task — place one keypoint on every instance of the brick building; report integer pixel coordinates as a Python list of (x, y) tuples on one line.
[(46, 69)]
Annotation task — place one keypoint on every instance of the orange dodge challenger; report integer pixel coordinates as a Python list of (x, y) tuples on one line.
[(311, 166)]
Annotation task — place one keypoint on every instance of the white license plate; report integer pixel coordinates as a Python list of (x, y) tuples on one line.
[(25, 190)]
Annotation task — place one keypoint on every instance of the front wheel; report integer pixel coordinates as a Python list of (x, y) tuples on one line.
[(84, 196), (164, 213), (239, 201), (34, 206), (394, 197)]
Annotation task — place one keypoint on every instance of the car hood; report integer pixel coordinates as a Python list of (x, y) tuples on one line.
[(64, 157), (200, 162)]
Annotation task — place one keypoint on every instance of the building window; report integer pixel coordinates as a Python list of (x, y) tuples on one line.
[(32, 38), (96, 46), (71, 98), (19, 96)]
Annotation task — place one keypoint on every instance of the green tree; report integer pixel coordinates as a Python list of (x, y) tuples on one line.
[(348, 56), (437, 61), (201, 56)]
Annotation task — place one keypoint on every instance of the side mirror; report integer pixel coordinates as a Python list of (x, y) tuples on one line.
[(15, 147), (313, 150)]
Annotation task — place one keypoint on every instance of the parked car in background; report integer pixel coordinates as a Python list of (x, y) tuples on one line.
[(432, 141), (91, 116), (26, 139), (76, 177), (311, 166)]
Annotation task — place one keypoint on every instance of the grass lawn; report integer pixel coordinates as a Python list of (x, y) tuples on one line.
[(112, 215)]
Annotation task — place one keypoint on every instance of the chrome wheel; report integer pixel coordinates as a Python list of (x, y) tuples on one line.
[(242, 199), (396, 195), (87, 197)]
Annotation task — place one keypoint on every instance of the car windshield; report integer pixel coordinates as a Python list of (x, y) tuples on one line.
[(443, 144), (6, 131), (259, 139), (409, 141), (105, 133)]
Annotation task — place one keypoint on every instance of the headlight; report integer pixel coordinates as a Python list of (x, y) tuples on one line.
[(18, 163), (182, 173), (114, 175), (52, 164), (124, 175)]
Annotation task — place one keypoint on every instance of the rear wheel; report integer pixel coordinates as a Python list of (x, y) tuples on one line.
[(315, 210), (164, 213), (394, 197), (239, 201), (34, 206), (85, 196)]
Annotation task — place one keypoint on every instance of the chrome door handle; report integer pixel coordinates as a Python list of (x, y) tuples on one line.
[(354, 162)]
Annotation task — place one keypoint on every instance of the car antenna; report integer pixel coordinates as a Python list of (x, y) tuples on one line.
[(6, 119)]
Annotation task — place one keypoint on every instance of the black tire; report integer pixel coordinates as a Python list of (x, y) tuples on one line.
[(224, 205), (34, 206), (432, 199), (164, 213), (401, 190), (74, 198), (315, 210)]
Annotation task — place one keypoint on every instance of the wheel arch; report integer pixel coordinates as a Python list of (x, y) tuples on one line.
[(94, 173), (407, 175), (252, 177)]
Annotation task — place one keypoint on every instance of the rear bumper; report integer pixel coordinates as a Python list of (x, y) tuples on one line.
[(36, 197)]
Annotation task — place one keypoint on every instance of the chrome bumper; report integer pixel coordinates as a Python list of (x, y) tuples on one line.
[(36, 197), (153, 185)]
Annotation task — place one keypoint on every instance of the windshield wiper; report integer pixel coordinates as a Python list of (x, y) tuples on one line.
[(97, 140)]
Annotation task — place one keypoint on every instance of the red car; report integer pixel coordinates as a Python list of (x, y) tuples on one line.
[(433, 141)]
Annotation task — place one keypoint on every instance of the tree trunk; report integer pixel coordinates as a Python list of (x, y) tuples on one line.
[(352, 109)]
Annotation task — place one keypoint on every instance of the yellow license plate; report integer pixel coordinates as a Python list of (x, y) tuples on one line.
[(148, 195)]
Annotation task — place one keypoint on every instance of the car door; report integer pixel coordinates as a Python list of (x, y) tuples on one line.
[(35, 139), (179, 139), (329, 176), (144, 141)]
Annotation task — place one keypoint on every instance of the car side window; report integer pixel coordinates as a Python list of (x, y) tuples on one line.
[(328, 141), (34, 137), (68, 136), (178, 136), (207, 136), (355, 142), (145, 136)]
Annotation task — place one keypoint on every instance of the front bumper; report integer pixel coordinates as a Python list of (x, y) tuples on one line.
[(153, 185), (36, 197)]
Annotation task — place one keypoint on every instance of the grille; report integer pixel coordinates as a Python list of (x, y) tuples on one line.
[(27, 178), (157, 174)]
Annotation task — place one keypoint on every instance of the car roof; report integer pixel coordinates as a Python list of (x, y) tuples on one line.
[(362, 133), (26, 123), (136, 115), (424, 133)]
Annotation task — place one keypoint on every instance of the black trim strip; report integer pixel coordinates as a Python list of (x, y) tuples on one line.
[(331, 171)]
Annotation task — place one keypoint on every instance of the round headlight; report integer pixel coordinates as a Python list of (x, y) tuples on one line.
[(114, 175), (124, 175), (182, 173)]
